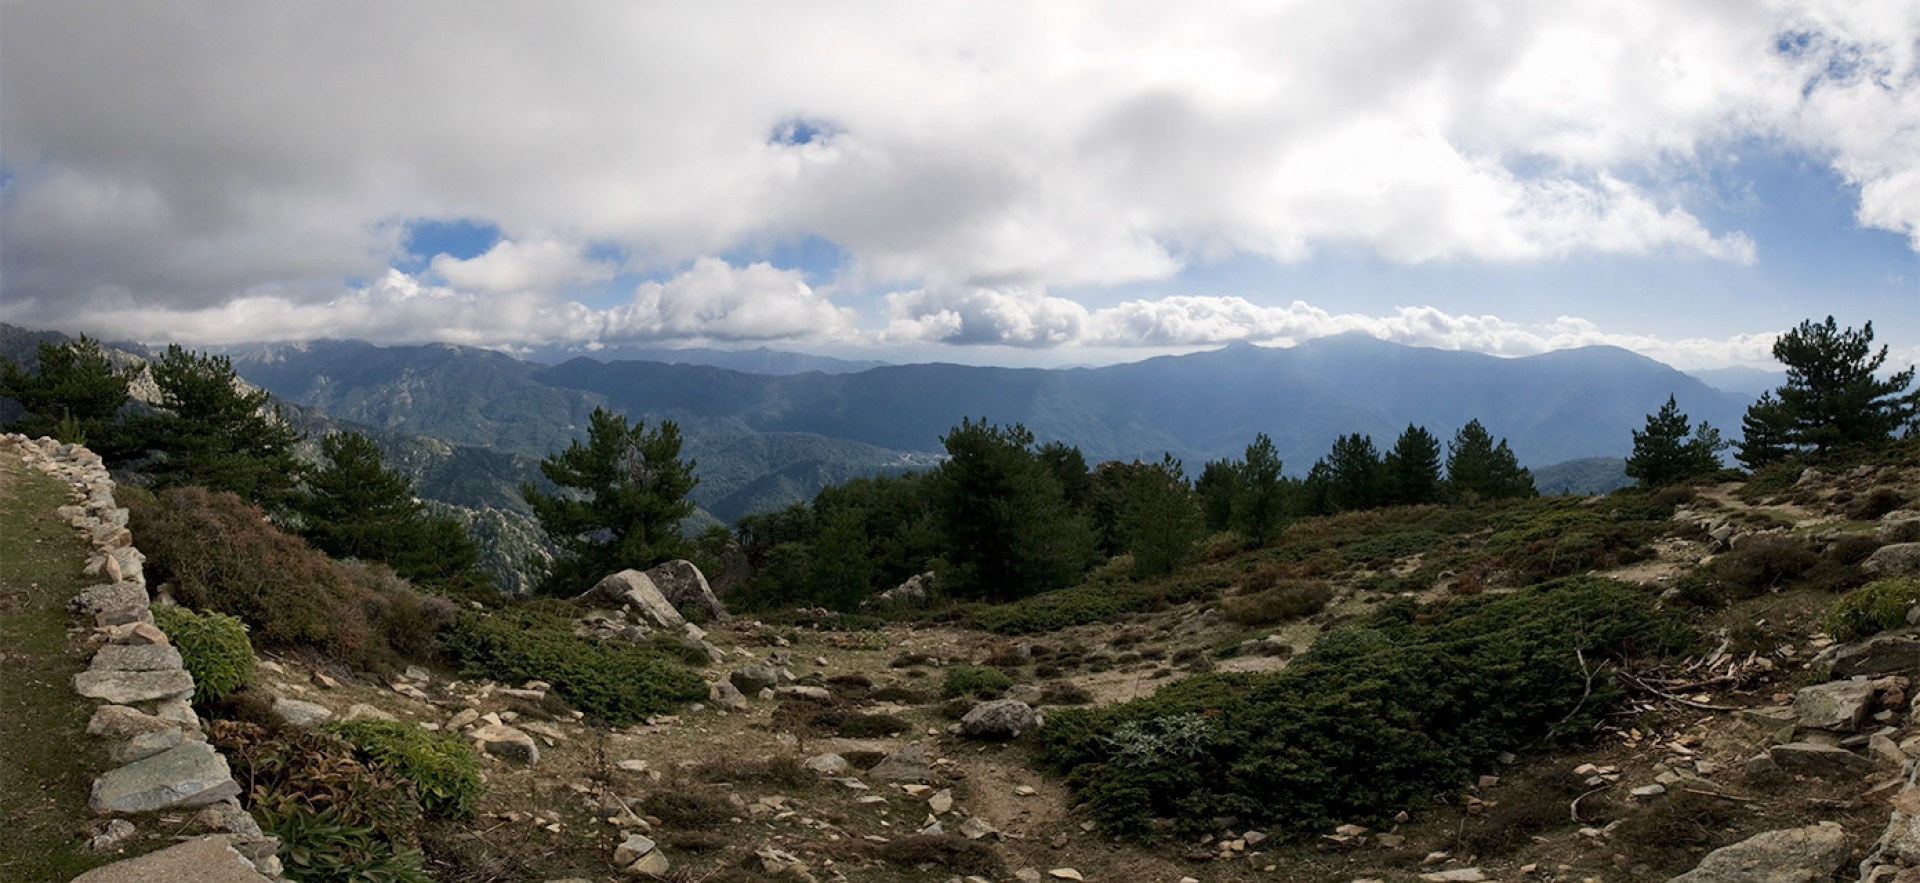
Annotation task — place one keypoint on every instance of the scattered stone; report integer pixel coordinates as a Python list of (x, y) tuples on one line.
[(976, 827), (1000, 719), (122, 722), (685, 587), (506, 743), (1792, 855), (909, 764), (754, 678), (145, 745), (179, 711), (1902, 838), (361, 710), (1882, 654), (1896, 559), (192, 774), (941, 801), (632, 849), (116, 833), (636, 590), (801, 691), (1840, 705), (1065, 874), (1024, 791), (653, 864), (1815, 759), (301, 714), (1456, 875), (95, 600), (727, 697), (1648, 792), (128, 687), (826, 764), (462, 718), (202, 860)]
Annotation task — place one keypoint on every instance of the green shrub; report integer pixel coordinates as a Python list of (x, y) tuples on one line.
[(337, 817), (1873, 608), (443, 768), (974, 680), (1376, 718), (617, 682), (1290, 599), (223, 555), (213, 648)]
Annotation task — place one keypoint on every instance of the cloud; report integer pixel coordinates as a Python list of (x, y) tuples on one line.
[(1012, 317), (205, 153), (715, 301)]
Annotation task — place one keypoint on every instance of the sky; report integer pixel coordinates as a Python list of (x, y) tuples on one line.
[(984, 182)]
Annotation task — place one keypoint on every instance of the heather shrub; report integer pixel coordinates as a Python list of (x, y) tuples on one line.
[(617, 682), (1287, 600), (1873, 608), (443, 768), (1376, 718), (222, 555), (213, 648)]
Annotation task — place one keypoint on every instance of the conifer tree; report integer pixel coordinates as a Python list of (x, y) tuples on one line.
[(1008, 529), (1355, 474), (1217, 486), (1413, 468), (1833, 398), (357, 507), (1160, 521), (73, 394), (1671, 450), (1259, 503), (218, 433), (620, 501), (1766, 433), (1478, 469)]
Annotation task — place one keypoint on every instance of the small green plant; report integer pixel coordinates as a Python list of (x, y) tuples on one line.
[(319, 846), (213, 648), (974, 680), (443, 768), (1289, 599), (1873, 608), (617, 682)]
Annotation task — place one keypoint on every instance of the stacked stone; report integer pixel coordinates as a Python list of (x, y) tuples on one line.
[(160, 756)]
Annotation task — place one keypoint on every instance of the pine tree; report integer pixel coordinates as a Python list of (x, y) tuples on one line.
[(840, 569), (1413, 469), (1832, 399), (356, 507), (218, 433), (622, 496), (1008, 529), (1478, 469), (1160, 522), (74, 394), (1259, 503), (1671, 450), (1355, 474), (1217, 486)]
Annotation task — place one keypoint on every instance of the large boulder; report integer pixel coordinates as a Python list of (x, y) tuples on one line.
[(999, 719), (637, 590), (129, 687), (1840, 705), (909, 764), (1888, 653), (1793, 855), (916, 592), (506, 743), (191, 774), (1897, 559), (201, 860), (1820, 761), (685, 587)]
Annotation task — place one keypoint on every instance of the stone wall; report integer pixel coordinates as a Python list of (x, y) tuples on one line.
[(163, 773)]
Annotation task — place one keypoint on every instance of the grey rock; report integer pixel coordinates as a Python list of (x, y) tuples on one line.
[(1900, 526), (801, 691), (1883, 654), (726, 697), (636, 590), (506, 743), (300, 713), (1000, 719), (361, 710), (685, 587), (827, 764), (909, 764), (213, 859), (179, 711), (1902, 837), (128, 687), (136, 657), (192, 774), (123, 722), (1841, 706), (123, 616), (95, 600), (1894, 559), (145, 745), (916, 592), (109, 839), (632, 849), (754, 678), (1820, 761), (1793, 855)]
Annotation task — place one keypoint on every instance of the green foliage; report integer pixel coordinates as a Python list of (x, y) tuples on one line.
[(443, 768), (218, 434), (617, 682), (1158, 519), (356, 507), (623, 495), (74, 393), (1478, 469), (1291, 599), (1833, 399), (1376, 718), (1217, 486), (1412, 469), (1664, 453), (213, 648), (977, 681), (1873, 608), (1259, 501), (338, 817), (222, 555), (1356, 476), (1002, 512)]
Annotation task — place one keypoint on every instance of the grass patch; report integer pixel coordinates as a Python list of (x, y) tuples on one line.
[(48, 766)]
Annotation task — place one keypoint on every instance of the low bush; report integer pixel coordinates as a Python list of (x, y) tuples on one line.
[(1874, 504), (1873, 608), (223, 555), (974, 680), (688, 809), (950, 851), (337, 817), (619, 683), (213, 648), (443, 768), (1376, 718), (1288, 600), (1065, 693)]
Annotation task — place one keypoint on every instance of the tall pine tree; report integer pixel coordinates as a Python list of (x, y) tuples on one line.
[(1478, 469), (1670, 450), (357, 507), (1009, 531), (219, 433), (1413, 468), (622, 496), (73, 394), (1833, 398)]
